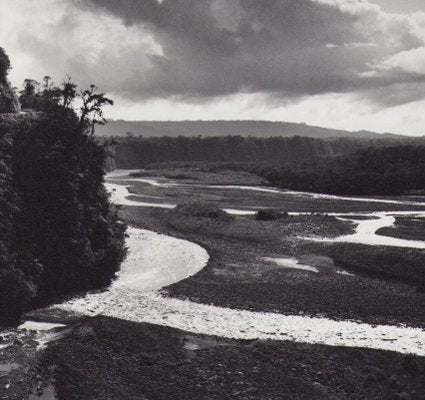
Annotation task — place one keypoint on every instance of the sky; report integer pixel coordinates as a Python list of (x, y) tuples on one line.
[(344, 64)]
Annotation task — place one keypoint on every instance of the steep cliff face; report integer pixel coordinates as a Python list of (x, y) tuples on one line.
[(9, 102)]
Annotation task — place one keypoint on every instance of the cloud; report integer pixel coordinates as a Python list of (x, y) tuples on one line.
[(215, 48), (198, 50), (291, 49), (57, 38)]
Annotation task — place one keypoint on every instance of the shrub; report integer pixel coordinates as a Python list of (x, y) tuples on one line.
[(268, 215), (199, 209)]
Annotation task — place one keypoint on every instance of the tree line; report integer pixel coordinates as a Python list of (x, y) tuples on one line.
[(138, 152)]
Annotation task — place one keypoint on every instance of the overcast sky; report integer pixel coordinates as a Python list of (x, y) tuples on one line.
[(350, 64)]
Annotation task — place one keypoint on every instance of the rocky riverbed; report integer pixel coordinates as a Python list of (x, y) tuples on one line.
[(251, 299)]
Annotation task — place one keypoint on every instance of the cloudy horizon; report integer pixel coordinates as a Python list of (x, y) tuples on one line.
[(345, 64)]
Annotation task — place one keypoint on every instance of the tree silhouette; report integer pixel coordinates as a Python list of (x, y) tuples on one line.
[(69, 92), (92, 108)]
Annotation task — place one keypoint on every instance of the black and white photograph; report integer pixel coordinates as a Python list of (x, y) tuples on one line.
[(212, 199)]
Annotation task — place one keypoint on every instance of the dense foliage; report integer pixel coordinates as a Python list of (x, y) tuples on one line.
[(18, 272), (201, 209), (380, 171), (59, 234)]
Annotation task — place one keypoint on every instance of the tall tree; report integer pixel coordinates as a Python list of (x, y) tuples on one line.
[(92, 108)]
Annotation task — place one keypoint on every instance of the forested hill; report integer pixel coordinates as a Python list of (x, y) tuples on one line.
[(224, 128), (138, 152)]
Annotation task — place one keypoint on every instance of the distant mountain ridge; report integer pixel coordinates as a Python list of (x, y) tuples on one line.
[(233, 128)]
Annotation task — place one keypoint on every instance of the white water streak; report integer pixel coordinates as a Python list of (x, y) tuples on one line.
[(177, 259), (291, 263), (119, 194), (366, 231)]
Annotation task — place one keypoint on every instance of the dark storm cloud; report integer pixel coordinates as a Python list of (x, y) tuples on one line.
[(286, 47), (199, 49), (220, 47)]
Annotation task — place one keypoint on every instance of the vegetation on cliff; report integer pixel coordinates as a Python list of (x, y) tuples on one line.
[(59, 234)]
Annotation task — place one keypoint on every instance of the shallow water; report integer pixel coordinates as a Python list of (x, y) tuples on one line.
[(117, 173), (119, 195), (366, 232), (291, 263), (39, 326), (155, 261)]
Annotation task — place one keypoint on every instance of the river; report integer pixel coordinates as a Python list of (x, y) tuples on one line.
[(157, 260)]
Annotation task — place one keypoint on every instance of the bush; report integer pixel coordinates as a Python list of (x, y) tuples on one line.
[(199, 209), (269, 215)]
